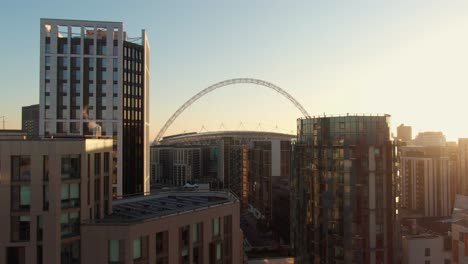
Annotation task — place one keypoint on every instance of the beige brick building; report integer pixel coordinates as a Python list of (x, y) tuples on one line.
[(47, 188)]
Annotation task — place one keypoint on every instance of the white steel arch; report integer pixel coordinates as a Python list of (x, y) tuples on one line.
[(222, 84)]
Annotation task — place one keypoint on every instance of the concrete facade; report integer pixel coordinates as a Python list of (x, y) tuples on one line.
[(463, 165), (94, 80), (177, 246), (429, 179), (424, 248), (47, 188)]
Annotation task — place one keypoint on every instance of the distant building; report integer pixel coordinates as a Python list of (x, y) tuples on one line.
[(94, 79), (48, 187), (424, 248), (268, 173), (12, 134), (178, 165), (30, 120), (426, 240), (280, 219), (429, 179), (404, 133), (223, 156), (344, 191), (463, 165), (460, 230), (430, 139), (183, 227), (254, 165)]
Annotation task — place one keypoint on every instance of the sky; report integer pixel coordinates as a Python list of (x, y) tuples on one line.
[(406, 58)]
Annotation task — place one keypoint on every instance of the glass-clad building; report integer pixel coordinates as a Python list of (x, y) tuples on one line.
[(344, 190)]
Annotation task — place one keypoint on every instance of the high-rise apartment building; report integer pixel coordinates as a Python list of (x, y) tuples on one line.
[(48, 187), (463, 166), (404, 133), (428, 179), (430, 139), (95, 79), (344, 191), (30, 120)]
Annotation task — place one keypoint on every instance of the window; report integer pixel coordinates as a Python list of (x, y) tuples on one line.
[(45, 197), (70, 195), (116, 252), (140, 248), (70, 224), (45, 168), (97, 164), (75, 127), (106, 162), (218, 251), (162, 246), (47, 61), (20, 168), (70, 253), (427, 252), (20, 197), (20, 228), (39, 227), (197, 232), (16, 255), (184, 241), (47, 46), (71, 167), (427, 262), (197, 255), (216, 226), (137, 248), (39, 255)]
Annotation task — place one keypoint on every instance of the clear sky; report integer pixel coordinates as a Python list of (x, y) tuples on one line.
[(407, 58)]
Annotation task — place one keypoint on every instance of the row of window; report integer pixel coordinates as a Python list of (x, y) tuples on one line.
[(90, 48), (75, 128)]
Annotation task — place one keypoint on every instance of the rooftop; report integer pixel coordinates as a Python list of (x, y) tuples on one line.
[(196, 137), (141, 208)]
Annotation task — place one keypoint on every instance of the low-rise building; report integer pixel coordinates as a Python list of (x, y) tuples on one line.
[(422, 249), (183, 227), (460, 230)]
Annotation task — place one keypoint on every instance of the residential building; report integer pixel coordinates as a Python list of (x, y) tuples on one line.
[(246, 162), (460, 230), (430, 139), (344, 191), (224, 157), (48, 187), (463, 166), (426, 240), (429, 179), (30, 120), (176, 165), (183, 227), (12, 134), (404, 133), (94, 79), (425, 248)]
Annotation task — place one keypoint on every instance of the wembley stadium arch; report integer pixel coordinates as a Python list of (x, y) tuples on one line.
[(224, 84)]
